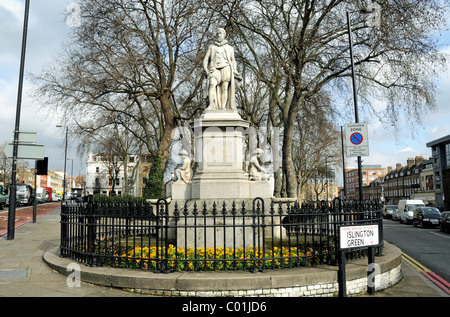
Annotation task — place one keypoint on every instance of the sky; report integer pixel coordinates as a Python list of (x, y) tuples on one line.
[(48, 28)]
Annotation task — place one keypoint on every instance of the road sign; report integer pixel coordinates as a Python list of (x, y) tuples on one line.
[(26, 151), (358, 236), (27, 137), (356, 139)]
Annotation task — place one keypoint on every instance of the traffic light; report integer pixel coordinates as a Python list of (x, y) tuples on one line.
[(42, 166)]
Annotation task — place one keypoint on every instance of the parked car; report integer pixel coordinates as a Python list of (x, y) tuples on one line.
[(426, 216), (56, 197), (3, 199), (395, 215), (388, 210), (444, 221)]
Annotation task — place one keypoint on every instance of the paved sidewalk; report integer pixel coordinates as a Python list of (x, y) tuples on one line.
[(23, 272)]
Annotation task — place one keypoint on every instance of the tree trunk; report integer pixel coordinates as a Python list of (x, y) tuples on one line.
[(169, 127), (288, 163)]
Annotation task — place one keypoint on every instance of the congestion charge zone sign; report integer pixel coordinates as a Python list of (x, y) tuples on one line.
[(358, 236), (356, 139)]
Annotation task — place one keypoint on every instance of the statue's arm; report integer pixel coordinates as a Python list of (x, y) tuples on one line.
[(206, 60)]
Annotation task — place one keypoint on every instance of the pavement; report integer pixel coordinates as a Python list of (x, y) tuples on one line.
[(23, 273)]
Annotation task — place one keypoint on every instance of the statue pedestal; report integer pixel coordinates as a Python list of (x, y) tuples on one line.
[(219, 149), (219, 154)]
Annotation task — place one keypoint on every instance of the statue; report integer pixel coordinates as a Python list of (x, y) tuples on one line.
[(183, 171), (256, 171), (220, 66)]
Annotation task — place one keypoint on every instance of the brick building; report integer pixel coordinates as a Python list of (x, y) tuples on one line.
[(370, 173)]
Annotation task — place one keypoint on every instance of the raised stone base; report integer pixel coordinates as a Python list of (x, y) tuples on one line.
[(221, 188), (180, 191)]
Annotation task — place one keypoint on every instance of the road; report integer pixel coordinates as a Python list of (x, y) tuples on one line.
[(25, 214), (428, 246)]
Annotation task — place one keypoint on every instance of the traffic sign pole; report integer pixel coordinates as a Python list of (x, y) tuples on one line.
[(355, 100), (13, 187)]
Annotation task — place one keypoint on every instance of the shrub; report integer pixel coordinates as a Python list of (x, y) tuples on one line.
[(154, 186)]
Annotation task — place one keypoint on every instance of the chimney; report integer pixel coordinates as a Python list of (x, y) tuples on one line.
[(398, 166), (389, 169), (410, 162), (419, 160)]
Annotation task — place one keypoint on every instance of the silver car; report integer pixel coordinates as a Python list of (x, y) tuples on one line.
[(388, 210)]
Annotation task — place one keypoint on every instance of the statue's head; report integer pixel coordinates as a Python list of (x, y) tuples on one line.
[(258, 152), (183, 152), (221, 34)]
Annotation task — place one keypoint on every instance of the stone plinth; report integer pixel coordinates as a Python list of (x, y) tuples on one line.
[(219, 139), (219, 153)]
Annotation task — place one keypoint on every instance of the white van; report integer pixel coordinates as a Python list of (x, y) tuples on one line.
[(406, 208), (40, 194)]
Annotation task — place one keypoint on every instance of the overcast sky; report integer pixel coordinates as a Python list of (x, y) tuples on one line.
[(47, 31)]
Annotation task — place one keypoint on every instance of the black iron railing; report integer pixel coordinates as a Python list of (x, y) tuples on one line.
[(253, 236)]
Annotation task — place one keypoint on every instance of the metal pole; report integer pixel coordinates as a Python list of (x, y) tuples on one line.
[(342, 277), (13, 187), (35, 192), (371, 271), (65, 160), (355, 100), (343, 163)]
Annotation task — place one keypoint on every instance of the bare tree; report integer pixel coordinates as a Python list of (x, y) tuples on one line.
[(301, 48), (316, 141), (135, 60)]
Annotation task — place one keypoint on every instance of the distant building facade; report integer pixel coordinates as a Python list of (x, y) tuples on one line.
[(105, 174), (440, 155), (370, 173), (404, 182)]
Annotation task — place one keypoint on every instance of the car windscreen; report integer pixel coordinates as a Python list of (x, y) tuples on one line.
[(431, 211)]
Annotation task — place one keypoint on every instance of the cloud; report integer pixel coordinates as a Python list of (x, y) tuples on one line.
[(15, 7), (406, 149)]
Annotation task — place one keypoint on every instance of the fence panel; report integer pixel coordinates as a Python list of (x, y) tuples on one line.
[(238, 237)]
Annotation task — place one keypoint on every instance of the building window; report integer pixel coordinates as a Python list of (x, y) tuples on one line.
[(447, 155), (97, 169)]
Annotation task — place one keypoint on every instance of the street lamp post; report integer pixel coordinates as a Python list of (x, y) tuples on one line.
[(71, 178), (327, 174), (65, 159), (355, 101), (371, 250)]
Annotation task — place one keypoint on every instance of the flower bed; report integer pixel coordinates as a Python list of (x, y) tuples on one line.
[(219, 259)]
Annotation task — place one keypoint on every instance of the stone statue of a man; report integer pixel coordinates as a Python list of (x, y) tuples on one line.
[(220, 66)]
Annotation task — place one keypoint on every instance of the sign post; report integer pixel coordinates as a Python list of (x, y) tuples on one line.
[(355, 237)]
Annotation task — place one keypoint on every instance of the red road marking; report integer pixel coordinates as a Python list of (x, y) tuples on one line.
[(439, 281), (25, 215)]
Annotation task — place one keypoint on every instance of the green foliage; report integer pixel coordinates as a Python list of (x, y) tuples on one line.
[(118, 199), (154, 186)]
